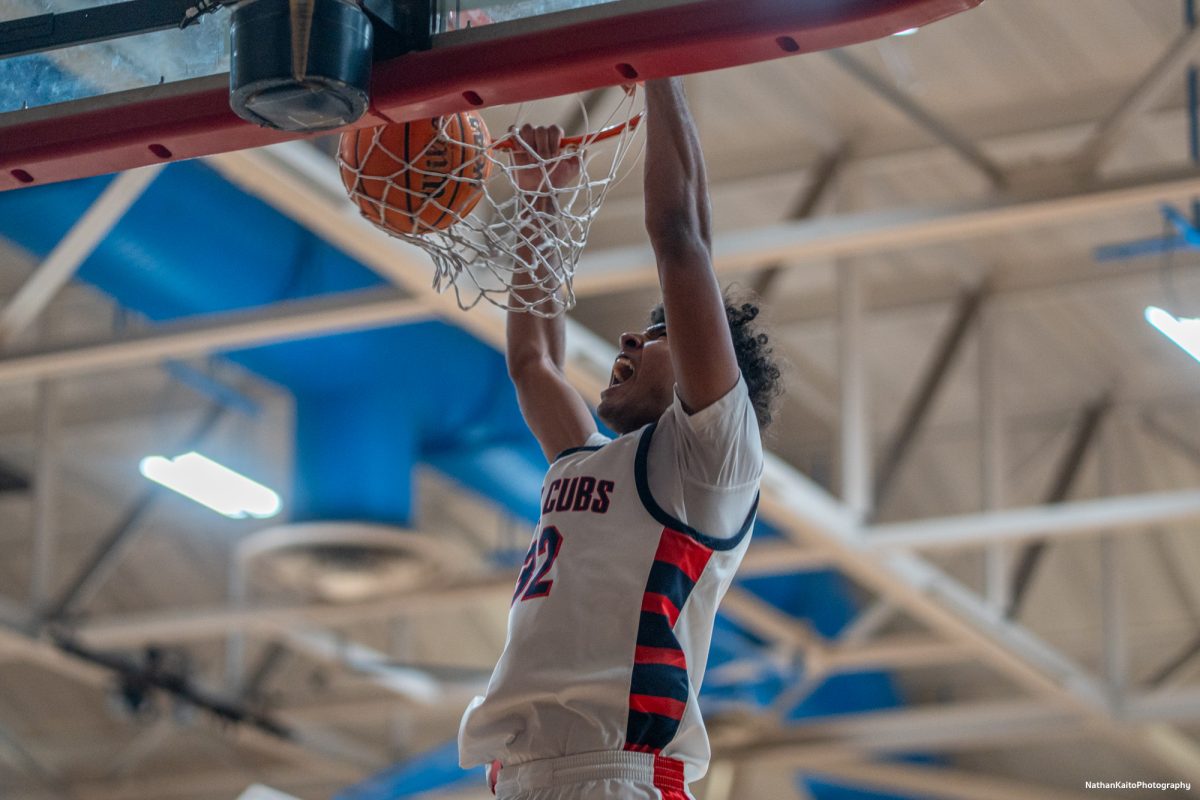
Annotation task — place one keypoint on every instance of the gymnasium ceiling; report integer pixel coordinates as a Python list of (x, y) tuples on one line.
[(959, 173)]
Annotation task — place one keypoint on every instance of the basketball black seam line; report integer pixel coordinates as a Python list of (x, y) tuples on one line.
[(457, 183), (407, 178)]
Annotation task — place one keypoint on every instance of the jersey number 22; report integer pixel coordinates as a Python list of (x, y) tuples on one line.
[(544, 549)]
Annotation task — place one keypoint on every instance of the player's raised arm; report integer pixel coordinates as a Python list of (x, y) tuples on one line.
[(678, 221), (536, 346)]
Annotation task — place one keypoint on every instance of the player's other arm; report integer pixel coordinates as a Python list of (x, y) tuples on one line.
[(678, 222), (536, 347)]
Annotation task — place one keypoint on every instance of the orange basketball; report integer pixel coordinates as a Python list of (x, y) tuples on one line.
[(417, 177)]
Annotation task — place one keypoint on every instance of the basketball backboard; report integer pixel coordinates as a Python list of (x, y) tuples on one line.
[(119, 103)]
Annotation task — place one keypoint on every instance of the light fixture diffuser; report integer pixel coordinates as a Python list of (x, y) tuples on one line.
[(1183, 331), (213, 485)]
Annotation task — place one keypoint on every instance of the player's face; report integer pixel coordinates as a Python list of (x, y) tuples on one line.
[(642, 383)]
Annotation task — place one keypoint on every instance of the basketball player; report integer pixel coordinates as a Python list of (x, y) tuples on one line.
[(595, 695)]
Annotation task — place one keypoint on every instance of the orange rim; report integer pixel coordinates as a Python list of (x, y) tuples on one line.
[(509, 141)]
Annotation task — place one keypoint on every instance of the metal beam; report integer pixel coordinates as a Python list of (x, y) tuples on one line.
[(895, 652), (208, 333), (74, 248), (868, 622), (781, 558), (939, 783), (918, 408), (867, 233), (923, 117), (941, 728), (1064, 479), (46, 497), (855, 428), (196, 625), (1079, 518), (1149, 90)]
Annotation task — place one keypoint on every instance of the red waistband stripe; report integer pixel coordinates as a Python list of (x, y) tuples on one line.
[(663, 706), (684, 552), (668, 778)]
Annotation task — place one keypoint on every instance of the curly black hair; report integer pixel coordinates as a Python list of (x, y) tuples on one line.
[(754, 355)]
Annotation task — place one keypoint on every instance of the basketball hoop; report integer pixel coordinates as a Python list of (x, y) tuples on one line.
[(454, 194)]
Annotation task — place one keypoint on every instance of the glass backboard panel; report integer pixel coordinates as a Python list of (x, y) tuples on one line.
[(100, 68), (173, 55)]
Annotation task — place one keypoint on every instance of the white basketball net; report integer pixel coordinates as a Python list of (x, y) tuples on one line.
[(515, 249)]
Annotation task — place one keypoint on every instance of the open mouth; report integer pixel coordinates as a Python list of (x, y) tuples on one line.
[(622, 371)]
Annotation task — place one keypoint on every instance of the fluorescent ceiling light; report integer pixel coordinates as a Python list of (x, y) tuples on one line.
[(907, 32), (1183, 331), (213, 485)]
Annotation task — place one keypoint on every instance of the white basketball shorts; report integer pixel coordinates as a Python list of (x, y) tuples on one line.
[(606, 775)]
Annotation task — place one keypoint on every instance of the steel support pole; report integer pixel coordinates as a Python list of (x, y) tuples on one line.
[(46, 497), (992, 458), (855, 413), (1112, 596), (1064, 479), (1112, 615)]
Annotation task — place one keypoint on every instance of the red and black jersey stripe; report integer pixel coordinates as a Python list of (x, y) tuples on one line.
[(659, 687)]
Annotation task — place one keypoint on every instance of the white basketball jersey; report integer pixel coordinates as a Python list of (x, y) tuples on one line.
[(609, 630)]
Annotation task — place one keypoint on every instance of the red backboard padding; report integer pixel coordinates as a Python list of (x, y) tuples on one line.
[(190, 119)]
